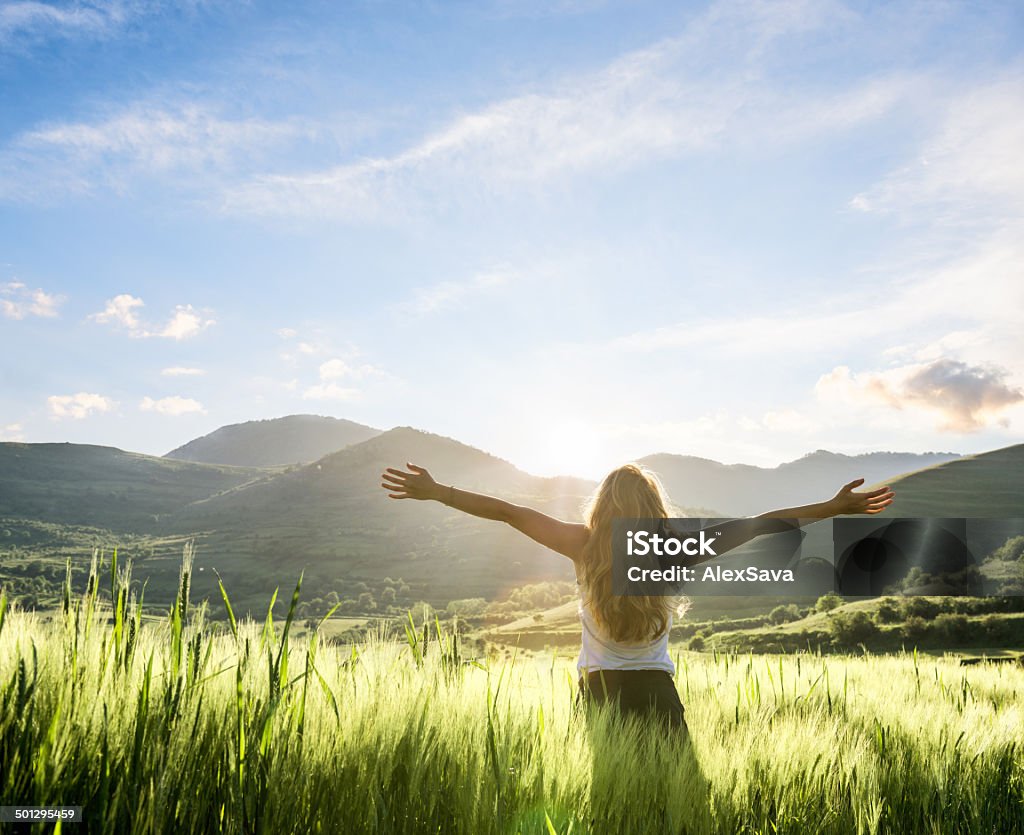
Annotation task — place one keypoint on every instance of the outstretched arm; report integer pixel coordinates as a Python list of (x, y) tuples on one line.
[(736, 532), (564, 537), (842, 503)]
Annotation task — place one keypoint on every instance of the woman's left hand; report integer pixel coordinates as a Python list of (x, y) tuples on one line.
[(846, 501)]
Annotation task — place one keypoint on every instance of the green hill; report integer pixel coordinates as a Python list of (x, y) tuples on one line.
[(104, 487), (332, 518), (990, 484), (744, 490), (295, 439), (260, 527)]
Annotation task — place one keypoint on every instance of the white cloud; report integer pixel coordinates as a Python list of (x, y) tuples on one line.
[(333, 372), (334, 369), (182, 371), (18, 301), (33, 19), (172, 406), (78, 406), (121, 311), (331, 391), (968, 304), (969, 171), (964, 398), (452, 294), (339, 369), (12, 432), (693, 93), (185, 323), (301, 350), (189, 144)]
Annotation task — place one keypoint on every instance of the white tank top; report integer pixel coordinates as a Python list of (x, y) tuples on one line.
[(601, 652)]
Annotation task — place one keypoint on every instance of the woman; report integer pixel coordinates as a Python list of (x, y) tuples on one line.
[(624, 656)]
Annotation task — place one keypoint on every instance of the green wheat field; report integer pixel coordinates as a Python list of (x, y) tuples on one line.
[(183, 724)]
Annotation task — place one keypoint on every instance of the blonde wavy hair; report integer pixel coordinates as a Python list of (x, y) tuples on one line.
[(631, 491)]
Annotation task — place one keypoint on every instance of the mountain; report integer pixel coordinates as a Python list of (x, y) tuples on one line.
[(333, 518), (295, 439), (104, 487), (745, 490), (261, 527)]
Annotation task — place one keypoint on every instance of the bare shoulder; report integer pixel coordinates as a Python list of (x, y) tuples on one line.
[(577, 537)]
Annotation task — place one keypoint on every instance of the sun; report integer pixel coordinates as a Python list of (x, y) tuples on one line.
[(567, 447)]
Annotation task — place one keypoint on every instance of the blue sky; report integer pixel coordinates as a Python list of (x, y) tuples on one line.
[(569, 233)]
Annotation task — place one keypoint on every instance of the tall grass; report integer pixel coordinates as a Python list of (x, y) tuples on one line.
[(182, 725)]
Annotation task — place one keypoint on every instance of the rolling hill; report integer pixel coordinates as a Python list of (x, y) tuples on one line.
[(104, 487), (744, 490), (295, 439), (985, 486), (260, 527), (990, 484), (333, 518)]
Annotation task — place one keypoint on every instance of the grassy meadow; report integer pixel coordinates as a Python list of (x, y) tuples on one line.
[(184, 725)]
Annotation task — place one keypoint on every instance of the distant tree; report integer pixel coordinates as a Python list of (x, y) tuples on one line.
[(920, 607), (852, 628), (954, 627), (888, 612), (995, 627), (784, 614), (467, 606), (332, 597), (366, 602), (828, 602), (696, 643), (914, 628), (387, 596)]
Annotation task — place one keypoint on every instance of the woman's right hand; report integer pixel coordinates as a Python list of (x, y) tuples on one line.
[(415, 484)]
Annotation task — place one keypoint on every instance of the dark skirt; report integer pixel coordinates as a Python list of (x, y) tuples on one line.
[(647, 694)]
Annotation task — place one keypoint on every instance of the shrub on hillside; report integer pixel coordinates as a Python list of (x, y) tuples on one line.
[(920, 607), (828, 602), (888, 611), (994, 628), (914, 628), (784, 614), (466, 606), (852, 628), (954, 627)]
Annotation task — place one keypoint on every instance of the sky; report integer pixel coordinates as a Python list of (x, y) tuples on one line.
[(568, 232)]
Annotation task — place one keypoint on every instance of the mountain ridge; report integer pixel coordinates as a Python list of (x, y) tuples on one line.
[(274, 442)]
